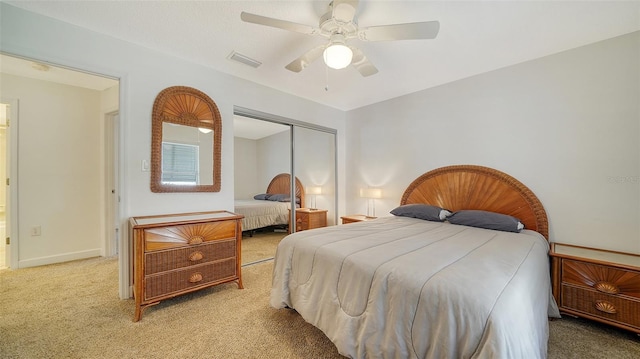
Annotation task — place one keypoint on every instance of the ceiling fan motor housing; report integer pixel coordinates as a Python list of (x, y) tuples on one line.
[(329, 25)]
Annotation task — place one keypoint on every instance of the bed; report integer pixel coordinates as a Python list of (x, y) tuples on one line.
[(267, 213), (404, 287)]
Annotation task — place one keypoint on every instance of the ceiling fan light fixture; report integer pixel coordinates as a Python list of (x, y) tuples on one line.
[(337, 56)]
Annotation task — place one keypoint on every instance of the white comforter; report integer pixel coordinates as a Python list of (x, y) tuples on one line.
[(258, 214), (400, 287)]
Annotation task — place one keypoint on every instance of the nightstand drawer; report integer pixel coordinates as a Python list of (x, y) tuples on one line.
[(307, 218), (609, 307), (601, 278), (161, 261)]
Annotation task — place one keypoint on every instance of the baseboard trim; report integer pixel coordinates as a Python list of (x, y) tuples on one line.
[(59, 258)]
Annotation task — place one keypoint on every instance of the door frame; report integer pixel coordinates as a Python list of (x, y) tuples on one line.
[(11, 209)]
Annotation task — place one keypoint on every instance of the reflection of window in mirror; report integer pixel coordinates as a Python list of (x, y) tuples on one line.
[(186, 142), (186, 155), (179, 163)]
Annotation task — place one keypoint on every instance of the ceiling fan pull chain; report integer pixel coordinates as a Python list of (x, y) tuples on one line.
[(326, 77)]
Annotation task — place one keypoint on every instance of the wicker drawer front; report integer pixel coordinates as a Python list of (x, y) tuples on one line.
[(187, 234), (161, 261), (610, 307), (179, 280), (601, 278), (318, 221)]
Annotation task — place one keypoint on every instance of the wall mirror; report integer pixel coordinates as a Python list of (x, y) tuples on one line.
[(186, 141)]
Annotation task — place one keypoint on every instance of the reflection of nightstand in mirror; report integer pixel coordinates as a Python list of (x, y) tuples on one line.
[(307, 218), (597, 284), (356, 218)]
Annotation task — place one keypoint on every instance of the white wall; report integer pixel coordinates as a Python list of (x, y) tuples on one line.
[(273, 157), (566, 125), (245, 165), (143, 74), (60, 178)]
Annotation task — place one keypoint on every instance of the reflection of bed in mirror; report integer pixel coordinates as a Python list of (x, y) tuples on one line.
[(404, 287), (274, 209)]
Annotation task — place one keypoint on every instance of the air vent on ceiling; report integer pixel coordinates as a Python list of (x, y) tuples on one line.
[(243, 59)]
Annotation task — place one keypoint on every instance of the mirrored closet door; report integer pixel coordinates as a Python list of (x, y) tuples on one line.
[(314, 165), (268, 149)]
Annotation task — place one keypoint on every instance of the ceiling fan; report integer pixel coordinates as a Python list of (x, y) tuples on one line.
[(338, 25)]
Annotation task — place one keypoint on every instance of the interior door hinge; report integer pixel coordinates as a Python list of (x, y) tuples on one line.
[(7, 181), (8, 240)]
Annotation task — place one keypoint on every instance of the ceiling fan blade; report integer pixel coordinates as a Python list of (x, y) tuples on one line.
[(344, 10), (361, 63), (280, 24), (411, 31), (306, 59)]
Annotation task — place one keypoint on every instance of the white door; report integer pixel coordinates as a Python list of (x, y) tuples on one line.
[(113, 191), (9, 115)]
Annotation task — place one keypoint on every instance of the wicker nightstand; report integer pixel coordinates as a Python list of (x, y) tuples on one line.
[(307, 218), (597, 284), (356, 218)]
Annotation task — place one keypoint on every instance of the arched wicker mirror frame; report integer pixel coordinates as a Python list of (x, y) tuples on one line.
[(189, 107)]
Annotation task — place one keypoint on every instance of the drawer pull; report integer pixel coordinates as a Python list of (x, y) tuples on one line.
[(604, 306), (606, 287), (196, 240), (195, 256), (195, 278)]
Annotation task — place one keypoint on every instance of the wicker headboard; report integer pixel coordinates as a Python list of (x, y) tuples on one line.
[(482, 188), (282, 184)]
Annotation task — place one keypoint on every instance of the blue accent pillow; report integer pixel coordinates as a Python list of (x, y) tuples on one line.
[(262, 196), (280, 197), (487, 220), (421, 211)]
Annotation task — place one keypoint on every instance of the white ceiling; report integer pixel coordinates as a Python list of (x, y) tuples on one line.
[(475, 37)]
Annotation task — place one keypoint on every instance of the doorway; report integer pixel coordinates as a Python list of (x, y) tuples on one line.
[(63, 169)]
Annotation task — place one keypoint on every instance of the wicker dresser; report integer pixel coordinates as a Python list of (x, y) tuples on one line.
[(181, 253), (597, 284)]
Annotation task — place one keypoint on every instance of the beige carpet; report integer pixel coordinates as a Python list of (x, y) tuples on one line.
[(261, 246), (72, 310)]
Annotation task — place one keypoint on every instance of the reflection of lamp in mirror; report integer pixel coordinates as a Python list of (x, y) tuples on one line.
[(204, 130), (371, 194), (314, 191)]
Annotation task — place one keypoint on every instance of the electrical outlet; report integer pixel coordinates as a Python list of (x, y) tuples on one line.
[(36, 231)]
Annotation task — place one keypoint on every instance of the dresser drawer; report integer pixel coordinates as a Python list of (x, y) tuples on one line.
[(161, 261), (601, 278), (165, 284), (610, 307), (187, 234)]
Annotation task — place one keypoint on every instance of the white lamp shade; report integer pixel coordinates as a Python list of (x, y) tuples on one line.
[(371, 193), (337, 56), (204, 130), (314, 190)]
